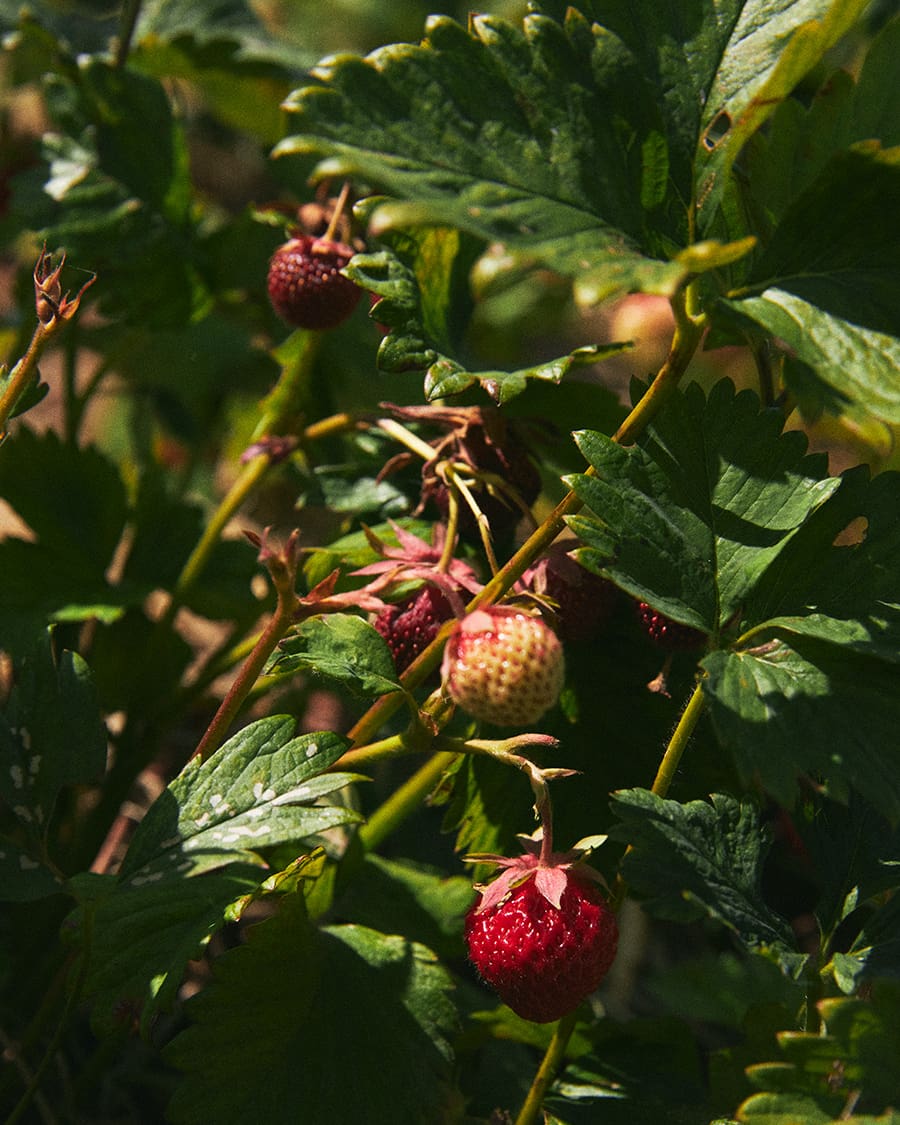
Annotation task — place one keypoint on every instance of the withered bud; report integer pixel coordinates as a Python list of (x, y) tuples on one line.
[(50, 303)]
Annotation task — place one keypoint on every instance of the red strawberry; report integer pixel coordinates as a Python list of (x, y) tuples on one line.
[(503, 666), (670, 635), (412, 624), (542, 935), (305, 286)]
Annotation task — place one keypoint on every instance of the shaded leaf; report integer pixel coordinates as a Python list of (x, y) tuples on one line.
[(138, 938), (402, 897), (297, 993), (701, 858), (22, 877), (857, 1051), (875, 952), (72, 499), (51, 735), (421, 340), (791, 706), (691, 517)]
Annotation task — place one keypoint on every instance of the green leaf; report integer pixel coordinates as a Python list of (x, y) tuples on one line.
[(343, 648), (719, 70), (403, 897), (701, 858), (477, 133), (772, 45), (721, 989), (138, 938), (875, 952), (783, 161), (297, 995), (72, 499), (838, 244), (259, 789), (692, 516), (856, 1052), (407, 284), (857, 853), (51, 736), (792, 706), (23, 878), (858, 366), (119, 215)]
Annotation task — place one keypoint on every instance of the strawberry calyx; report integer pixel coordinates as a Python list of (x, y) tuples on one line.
[(550, 870)]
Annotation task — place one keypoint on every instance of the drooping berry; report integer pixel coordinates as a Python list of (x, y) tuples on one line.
[(503, 666), (412, 624), (584, 601), (305, 285), (542, 935), (668, 634)]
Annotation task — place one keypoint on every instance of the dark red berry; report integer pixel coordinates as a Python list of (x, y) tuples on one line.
[(583, 600), (670, 635), (305, 285), (411, 625)]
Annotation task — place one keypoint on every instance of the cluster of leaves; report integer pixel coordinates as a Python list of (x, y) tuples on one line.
[(715, 156)]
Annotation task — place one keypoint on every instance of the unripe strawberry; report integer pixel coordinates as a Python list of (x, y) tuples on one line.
[(305, 286), (668, 634), (542, 935), (503, 666), (412, 624)]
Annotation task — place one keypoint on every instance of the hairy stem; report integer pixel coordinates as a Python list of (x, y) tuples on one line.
[(668, 767), (553, 1059), (23, 373)]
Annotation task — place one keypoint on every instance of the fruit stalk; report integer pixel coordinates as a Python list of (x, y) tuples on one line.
[(550, 1064)]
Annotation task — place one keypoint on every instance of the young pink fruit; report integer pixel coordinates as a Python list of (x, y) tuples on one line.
[(305, 286), (503, 666), (542, 935)]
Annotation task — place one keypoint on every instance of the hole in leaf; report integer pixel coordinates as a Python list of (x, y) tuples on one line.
[(717, 131)]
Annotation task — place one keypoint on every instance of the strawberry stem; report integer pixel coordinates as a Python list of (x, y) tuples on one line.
[(337, 214), (282, 566), (553, 1059), (665, 774)]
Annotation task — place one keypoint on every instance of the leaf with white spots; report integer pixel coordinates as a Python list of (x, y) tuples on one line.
[(22, 877), (263, 787)]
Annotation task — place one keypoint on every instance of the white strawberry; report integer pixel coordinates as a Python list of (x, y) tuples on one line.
[(504, 666)]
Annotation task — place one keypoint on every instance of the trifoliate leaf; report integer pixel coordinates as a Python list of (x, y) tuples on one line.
[(284, 1015), (691, 517)]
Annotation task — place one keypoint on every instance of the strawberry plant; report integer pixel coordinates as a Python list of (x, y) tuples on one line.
[(423, 436)]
